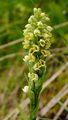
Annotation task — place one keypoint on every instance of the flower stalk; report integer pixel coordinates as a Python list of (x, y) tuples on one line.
[(36, 44)]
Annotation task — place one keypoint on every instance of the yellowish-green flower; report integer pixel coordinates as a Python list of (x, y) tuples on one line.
[(25, 31), (32, 20), (34, 48), (39, 64), (26, 44), (31, 58), (42, 42), (45, 53), (28, 36), (33, 76), (40, 24), (36, 67), (45, 35), (44, 17), (47, 43), (28, 26)]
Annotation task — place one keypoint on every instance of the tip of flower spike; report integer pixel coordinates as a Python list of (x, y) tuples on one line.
[(37, 39), (39, 10), (35, 10)]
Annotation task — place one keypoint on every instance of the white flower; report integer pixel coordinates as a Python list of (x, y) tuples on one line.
[(49, 28), (39, 10), (26, 58), (25, 32), (25, 89), (40, 24), (29, 58), (31, 19), (25, 44), (47, 18), (28, 36), (36, 32), (45, 35), (42, 14), (28, 26)]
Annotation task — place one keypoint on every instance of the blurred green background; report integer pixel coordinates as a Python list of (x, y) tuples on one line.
[(14, 16)]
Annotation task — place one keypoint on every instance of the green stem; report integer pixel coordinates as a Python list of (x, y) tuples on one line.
[(34, 93), (34, 102), (34, 108)]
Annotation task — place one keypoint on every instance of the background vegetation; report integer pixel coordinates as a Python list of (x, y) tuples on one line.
[(13, 73)]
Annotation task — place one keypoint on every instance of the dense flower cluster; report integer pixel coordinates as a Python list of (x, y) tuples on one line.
[(36, 43)]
